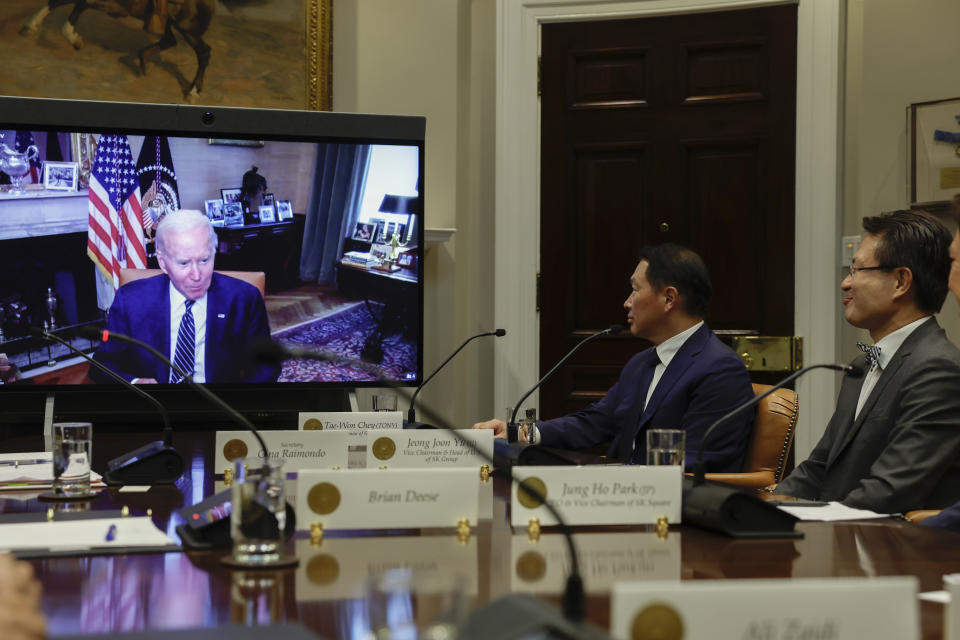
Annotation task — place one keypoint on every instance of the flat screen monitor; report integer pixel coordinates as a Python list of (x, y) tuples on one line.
[(318, 232)]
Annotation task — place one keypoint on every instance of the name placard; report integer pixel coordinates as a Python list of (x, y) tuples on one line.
[(598, 494), (826, 609), (420, 448), (358, 421), (387, 498), (300, 449), (951, 612), (340, 568), (542, 567)]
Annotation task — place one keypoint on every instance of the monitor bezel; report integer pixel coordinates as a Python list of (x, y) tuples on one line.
[(87, 116)]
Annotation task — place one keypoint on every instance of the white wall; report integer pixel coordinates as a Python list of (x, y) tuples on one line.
[(898, 53), (435, 58)]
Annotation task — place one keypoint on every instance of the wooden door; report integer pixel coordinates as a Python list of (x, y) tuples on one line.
[(668, 129)]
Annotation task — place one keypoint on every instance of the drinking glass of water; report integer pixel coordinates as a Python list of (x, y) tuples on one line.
[(259, 514), (665, 447), (71, 458), (384, 402)]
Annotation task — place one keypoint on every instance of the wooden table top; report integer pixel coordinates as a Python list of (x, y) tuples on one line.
[(327, 591)]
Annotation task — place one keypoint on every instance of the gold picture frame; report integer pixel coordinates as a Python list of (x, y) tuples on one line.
[(933, 161), (282, 59)]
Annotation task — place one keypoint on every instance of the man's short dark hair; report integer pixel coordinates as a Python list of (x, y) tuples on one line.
[(670, 265), (920, 242)]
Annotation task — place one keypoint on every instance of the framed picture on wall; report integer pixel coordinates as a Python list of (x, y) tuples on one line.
[(300, 51), (268, 199), (933, 154)]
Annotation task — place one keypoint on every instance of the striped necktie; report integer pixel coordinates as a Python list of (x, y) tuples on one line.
[(183, 357)]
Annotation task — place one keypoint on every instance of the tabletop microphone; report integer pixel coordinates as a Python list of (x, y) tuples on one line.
[(732, 511), (699, 468), (525, 610), (512, 426), (411, 413), (104, 335), (154, 463)]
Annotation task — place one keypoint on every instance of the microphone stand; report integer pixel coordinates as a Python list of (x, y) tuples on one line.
[(612, 329), (105, 336), (151, 463), (733, 511), (411, 413), (574, 600), (699, 468)]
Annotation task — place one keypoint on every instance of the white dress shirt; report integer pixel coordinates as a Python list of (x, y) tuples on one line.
[(888, 348), (665, 351)]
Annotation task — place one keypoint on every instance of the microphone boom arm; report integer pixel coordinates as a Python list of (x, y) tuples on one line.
[(214, 398), (699, 468), (599, 334), (167, 429)]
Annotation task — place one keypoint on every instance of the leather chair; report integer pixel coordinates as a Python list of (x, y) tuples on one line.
[(256, 278), (770, 442), (920, 514)]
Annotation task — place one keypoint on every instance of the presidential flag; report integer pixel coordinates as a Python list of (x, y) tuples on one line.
[(158, 181), (115, 228)]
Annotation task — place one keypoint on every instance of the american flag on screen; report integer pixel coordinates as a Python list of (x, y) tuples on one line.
[(115, 228)]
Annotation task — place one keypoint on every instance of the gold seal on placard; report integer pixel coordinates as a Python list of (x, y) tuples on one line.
[(313, 424), (528, 500), (235, 449), (531, 566), (384, 448), (324, 498), (323, 569), (657, 621)]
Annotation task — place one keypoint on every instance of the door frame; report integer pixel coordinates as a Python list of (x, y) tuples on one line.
[(517, 199)]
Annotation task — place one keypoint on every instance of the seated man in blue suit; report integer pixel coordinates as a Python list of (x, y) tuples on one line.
[(687, 380), (203, 321)]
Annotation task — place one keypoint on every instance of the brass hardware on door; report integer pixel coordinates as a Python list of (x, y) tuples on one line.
[(664, 227), (769, 353)]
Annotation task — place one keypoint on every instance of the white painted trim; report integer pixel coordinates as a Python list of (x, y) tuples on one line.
[(432, 236), (516, 360), (818, 224)]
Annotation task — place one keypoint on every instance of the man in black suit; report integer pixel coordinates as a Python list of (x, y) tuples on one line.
[(893, 443)]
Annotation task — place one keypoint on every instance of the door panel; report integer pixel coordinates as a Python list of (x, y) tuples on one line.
[(668, 129)]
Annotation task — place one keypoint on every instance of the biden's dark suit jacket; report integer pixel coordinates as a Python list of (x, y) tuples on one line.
[(903, 451), (705, 380), (236, 317)]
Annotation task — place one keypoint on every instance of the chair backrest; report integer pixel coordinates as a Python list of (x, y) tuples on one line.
[(256, 278), (773, 431)]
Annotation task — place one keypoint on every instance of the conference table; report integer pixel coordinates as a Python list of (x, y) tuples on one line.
[(331, 591)]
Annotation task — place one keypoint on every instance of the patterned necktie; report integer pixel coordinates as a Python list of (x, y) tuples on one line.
[(872, 352), (183, 357)]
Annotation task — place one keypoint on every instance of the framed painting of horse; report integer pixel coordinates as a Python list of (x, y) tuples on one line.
[(263, 53)]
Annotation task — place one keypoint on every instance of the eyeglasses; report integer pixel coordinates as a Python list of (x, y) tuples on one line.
[(854, 270)]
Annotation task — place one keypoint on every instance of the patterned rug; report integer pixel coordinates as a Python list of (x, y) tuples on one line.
[(344, 334)]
